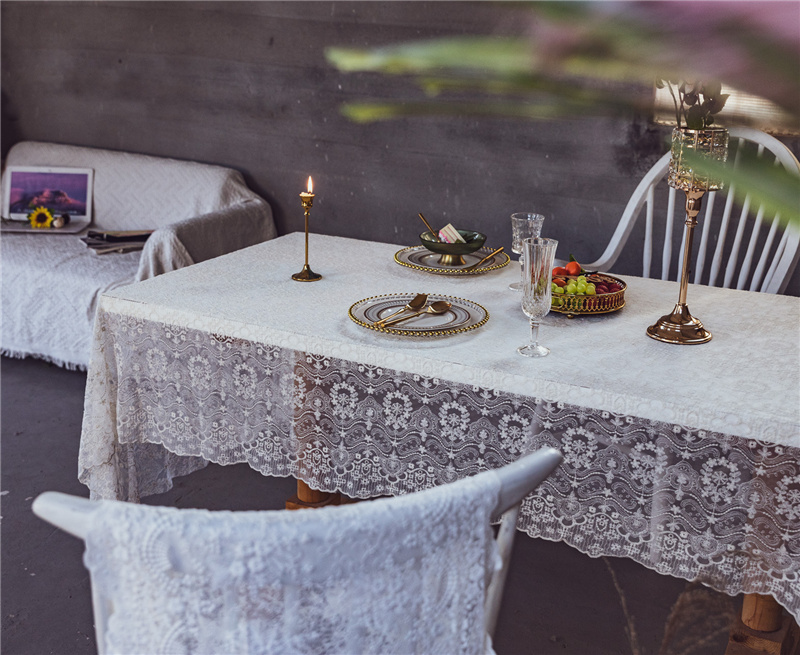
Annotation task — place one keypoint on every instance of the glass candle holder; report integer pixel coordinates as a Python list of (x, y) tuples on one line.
[(710, 143)]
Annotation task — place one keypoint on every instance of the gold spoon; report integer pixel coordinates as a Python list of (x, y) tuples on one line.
[(435, 235), (416, 303), (438, 307), (491, 254)]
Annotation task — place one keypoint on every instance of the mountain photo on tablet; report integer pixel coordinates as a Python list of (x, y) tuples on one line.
[(61, 190)]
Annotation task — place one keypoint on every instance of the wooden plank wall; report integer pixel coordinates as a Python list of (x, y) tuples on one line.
[(246, 85)]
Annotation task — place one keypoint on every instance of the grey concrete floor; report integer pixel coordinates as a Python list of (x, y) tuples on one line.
[(557, 600)]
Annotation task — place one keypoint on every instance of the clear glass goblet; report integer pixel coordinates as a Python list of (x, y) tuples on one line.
[(524, 225), (538, 256)]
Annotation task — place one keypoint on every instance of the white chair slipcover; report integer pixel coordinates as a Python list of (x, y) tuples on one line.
[(51, 282), (405, 575), (418, 573)]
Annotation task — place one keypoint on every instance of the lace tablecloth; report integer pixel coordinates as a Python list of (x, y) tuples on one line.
[(685, 459)]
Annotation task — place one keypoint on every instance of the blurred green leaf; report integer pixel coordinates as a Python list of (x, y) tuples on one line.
[(588, 42), (774, 186), (597, 58), (375, 111), (501, 56)]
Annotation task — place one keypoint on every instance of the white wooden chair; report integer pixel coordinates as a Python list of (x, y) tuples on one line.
[(151, 589), (753, 252)]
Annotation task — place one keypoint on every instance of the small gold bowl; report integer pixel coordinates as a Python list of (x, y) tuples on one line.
[(598, 304), (451, 253)]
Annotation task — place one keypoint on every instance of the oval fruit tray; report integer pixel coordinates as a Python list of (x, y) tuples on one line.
[(600, 303)]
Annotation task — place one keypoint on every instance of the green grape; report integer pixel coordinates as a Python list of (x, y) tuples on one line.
[(590, 289)]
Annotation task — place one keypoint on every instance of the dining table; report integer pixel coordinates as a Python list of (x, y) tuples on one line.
[(684, 458)]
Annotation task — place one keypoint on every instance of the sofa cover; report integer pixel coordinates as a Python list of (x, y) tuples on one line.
[(51, 282)]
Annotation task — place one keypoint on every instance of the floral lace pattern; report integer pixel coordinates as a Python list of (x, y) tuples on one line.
[(690, 503), (400, 575)]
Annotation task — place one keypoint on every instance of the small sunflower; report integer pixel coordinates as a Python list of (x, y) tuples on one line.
[(40, 218)]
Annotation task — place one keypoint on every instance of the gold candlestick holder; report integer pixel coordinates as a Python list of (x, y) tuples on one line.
[(680, 326), (307, 275)]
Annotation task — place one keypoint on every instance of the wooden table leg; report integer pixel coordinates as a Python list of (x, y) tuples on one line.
[(762, 613), (308, 498), (763, 628)]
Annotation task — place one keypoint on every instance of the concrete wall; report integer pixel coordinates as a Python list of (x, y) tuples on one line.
[(246, 85)]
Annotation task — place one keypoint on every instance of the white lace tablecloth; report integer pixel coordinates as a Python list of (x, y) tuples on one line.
[(685, 459)]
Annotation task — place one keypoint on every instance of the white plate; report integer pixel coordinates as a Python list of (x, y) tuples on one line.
[(463, 315), (422, 259)]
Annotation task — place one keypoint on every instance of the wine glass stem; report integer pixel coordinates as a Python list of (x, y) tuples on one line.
[(534, 333)]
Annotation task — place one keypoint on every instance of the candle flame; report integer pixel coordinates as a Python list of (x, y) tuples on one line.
[(310, 185)]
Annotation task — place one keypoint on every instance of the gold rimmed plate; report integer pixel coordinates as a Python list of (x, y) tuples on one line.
[(422, 259), (463, 316)]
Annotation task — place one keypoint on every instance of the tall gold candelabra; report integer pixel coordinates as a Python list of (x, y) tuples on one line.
[(680, 326), (307, 275)]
